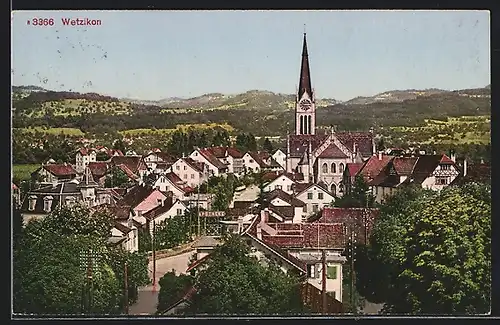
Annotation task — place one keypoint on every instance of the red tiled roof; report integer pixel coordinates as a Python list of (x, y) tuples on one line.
[(363, 141), (136, 195), (60, 169), (277, 193), (134, 163), (119, 212), (98, 169), (127, 171), (313, 235), (300, 143), (332, 152), (198, 166), (404, 165), (85, 151), (235, 153), (218, 152), (257, 158), (174, 178), (212, 159), (446, 160), (158, 210), (373, 166), (353, 168)]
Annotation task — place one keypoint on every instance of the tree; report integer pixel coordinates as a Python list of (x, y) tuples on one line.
[(101, 156), (236, 283), (116, 178), (172, 288), (267, 145), (241, 142), (358, 197), (432, 251), (119, 145)]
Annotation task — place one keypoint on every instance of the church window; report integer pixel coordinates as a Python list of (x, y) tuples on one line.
[(324, 168), (334, 189), (333, 168), (341, 168)]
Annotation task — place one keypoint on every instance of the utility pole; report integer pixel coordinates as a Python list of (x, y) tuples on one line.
[(126, 287), (323, 282), (154, 255)]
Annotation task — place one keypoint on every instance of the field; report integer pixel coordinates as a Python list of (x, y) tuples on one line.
[(66, 131), (454, 130), (23, 172), (181, 127), (77, 107)]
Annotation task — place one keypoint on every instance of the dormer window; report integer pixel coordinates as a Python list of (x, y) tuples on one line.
[(47, 203), (32, 203)]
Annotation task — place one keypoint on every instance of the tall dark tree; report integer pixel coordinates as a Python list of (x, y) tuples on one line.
[(267, 146), (119, 145), (251, 142)]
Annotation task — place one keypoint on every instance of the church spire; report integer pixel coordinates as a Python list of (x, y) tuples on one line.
[(305, 77)]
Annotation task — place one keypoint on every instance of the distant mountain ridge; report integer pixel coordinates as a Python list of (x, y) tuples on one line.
[(265, 100)]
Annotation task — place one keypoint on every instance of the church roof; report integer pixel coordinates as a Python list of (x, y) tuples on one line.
[(305, 75)]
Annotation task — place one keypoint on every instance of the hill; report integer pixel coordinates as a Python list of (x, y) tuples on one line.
[(256, 111)]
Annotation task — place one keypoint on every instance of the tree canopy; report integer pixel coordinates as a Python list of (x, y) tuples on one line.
[(431, 252), (234, 282)]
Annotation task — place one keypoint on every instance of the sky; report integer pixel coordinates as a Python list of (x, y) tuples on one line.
[(160, 54)]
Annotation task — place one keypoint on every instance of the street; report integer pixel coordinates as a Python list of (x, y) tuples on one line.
[(148, 295)]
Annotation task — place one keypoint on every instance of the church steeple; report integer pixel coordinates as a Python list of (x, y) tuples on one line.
[(305, 107), (305, 76)]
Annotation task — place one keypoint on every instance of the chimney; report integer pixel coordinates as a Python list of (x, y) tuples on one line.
[(465, 167), (259, 232), (380, 155), (453, 157)]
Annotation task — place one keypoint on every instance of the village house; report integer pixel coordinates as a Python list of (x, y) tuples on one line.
[(205, 156), (99, 170), (349, 176), (127, 237), (40, 202), (83, 157), (170, 182), (283, 207), (433, 172), (244, 196), (231, 157), (169, 208), (279, 181), (142, 198), (157, 160), (315, 197), (279, 156), (194, 173), (135, 166), (259, 161), (54, 173)]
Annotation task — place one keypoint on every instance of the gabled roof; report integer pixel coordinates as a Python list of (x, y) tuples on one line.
[(136, 195), (426, 164), (196, 165), (98, 168), (85, 151), (207, 154), (160, 209), (127, 171), (258, 158), (119, 212), (300, 143), (332, 151), (476, 172), (134, 163), (60, 169), (166, 157), (353, 168), (122, 228), (446, 160), (277, 193), (302, 187), (219, 152), (235, 153), (373, 166), (363, 141), (404, 165)]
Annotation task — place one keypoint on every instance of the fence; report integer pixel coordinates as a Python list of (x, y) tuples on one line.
[(313, 299)]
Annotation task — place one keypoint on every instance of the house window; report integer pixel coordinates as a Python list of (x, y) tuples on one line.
[(309, 196), (320, 196), (277, 187), (331, 272), (185, 167), (192, 176), (289, 188), (324, 168), (177, 167), (310, 271), (341, 168), (158, 201), (46, 205), (441, 181), (445, 167), (250, 161), (333, 168), (304, 209), (315, 208), (185, 176), (32, 203), (179, 212)]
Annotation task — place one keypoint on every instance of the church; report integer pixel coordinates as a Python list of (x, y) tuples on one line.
[(321, 158)]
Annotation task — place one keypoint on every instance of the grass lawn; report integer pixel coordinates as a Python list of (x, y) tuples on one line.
[(67, 131), (23, 172)]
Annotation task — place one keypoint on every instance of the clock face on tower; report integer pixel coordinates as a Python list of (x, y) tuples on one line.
[(305, 104)]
